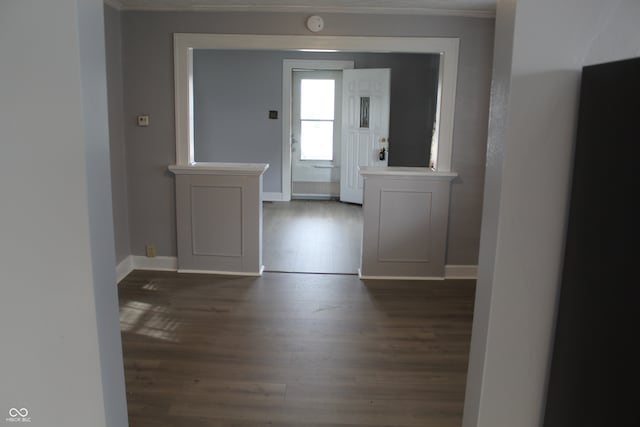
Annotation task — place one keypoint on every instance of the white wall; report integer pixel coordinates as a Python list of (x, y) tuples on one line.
[(61, 353), (115, 95), (531, 135), (618, 37)]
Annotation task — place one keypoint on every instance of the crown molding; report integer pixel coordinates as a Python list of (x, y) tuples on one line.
[(379, 10)]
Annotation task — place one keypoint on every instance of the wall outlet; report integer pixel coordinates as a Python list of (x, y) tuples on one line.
[(143, 120), (151, 251)]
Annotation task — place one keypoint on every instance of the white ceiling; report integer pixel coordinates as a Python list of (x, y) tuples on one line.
[(477, 8)]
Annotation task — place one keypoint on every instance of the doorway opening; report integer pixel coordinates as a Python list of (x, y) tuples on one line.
[(233, 90), (188, 46), (314, 232), (316, 134), (359, 124), (312, 236), (333, 133)]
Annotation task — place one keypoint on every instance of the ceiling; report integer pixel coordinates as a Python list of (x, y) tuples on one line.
[(475, 8)]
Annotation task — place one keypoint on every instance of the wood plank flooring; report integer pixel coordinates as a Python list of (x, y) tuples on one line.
[(294, 350), (312, 236)]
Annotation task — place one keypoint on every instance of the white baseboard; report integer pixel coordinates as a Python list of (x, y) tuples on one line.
[(450, 272), (272, 197), (225, 273), (166, 263), (314, 196), (123, 268), (158, 263), (461, 271), (137, 262), (364, 277)]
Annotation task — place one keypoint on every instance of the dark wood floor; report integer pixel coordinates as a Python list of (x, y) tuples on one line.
[(294, 350), (312, 236)]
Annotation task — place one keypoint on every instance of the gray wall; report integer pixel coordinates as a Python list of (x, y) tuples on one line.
[(60, 336), (148, 88), (233, 93), (234, 89), (533, 111), (113, 46)]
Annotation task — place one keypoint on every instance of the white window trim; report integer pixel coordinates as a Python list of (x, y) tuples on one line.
[(183, 45)]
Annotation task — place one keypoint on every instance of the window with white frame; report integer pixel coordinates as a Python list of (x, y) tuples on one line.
[(317, 119)]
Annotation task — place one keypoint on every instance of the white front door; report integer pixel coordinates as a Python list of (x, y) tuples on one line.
[(365, 126)]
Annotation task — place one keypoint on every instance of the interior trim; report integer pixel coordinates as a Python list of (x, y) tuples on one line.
[(139, 262), (184, 44), (288, 66), (166, 263), (269, 196), (302, 8), (461, 272)]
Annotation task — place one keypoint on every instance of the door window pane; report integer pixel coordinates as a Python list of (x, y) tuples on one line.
[(317, 99), (316, 140)]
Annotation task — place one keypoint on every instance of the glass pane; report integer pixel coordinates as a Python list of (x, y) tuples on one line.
[(364, 111), (316, 140), (317, 99)]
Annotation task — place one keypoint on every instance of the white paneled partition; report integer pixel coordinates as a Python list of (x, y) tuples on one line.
[(406, 213), (219, 217)]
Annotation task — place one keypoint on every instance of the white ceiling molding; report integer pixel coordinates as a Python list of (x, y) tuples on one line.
[(464, 8)]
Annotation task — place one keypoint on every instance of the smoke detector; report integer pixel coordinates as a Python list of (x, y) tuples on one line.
[(315, 23)]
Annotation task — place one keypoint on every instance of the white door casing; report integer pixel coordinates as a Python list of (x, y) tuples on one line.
[(288, 66), (361, 145)]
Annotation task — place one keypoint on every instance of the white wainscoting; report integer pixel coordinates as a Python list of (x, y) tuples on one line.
[(406, 212), (219, 214), (219, 217)]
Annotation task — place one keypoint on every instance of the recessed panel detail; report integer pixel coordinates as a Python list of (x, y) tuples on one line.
[(405, 226), (216, 217)]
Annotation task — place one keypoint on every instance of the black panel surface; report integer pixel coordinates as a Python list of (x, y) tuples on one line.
[(594, 371)]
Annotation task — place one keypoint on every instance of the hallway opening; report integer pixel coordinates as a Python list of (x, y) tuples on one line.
[(312, 236)]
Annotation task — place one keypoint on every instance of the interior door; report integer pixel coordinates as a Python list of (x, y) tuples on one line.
[(365, 127)]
